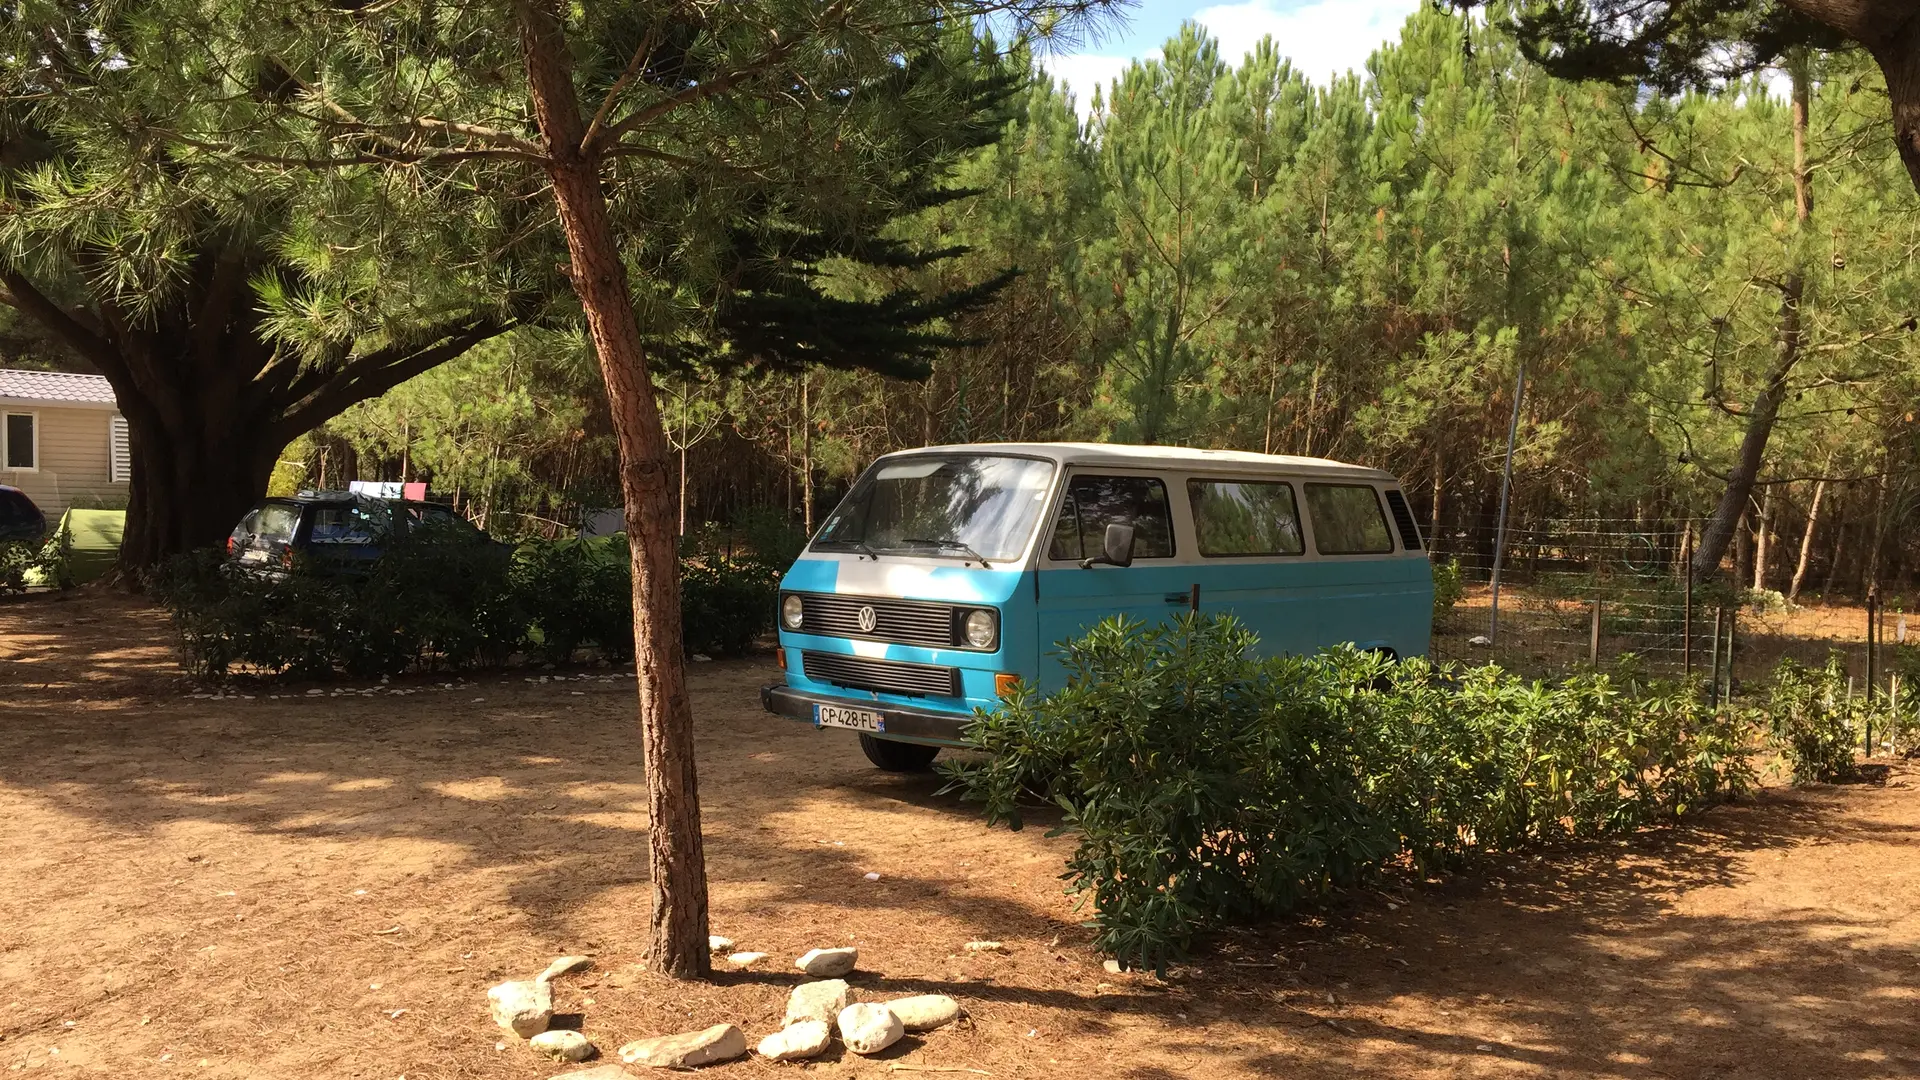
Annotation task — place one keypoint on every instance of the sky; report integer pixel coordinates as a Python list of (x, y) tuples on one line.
[(1323, 37)]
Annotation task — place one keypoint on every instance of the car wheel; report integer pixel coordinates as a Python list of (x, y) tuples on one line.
[(898, 756)]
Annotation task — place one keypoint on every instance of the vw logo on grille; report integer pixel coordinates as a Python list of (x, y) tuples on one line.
[(866, 618)]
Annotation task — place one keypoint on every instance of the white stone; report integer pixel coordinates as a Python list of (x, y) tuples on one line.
[(746, 959), (924, 1012), (565, 965), (828, 963), (1113, 967), (524, 1008), (716, 943), (721, 1042), (1480, 639), (985, 946), (598, 1072), (820, 1001), (868, 1028), (562, 1045), (805, 1039)]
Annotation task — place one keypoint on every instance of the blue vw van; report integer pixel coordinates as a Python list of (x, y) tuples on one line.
[(948, 574)]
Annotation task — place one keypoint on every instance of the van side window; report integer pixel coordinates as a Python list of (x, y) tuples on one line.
[(1094, 502), (1347, 520), (1244, 517)]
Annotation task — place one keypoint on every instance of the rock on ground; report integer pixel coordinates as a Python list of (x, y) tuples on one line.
[(805, 1039), (985, 946), (828, 963), (562, 1045), (721, 1042), (868, 1028), (746, 959), (820, 1001), (524, 1008), (598, 1072), (924, 1012), (716, 943), (565, 965)]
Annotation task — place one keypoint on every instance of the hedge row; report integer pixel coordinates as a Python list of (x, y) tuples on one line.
[(428, 604), (1210, 786)]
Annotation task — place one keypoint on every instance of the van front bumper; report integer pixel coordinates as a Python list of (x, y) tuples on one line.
[(905, 725)]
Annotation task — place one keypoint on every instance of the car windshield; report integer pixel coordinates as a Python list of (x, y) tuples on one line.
[(967, 507)]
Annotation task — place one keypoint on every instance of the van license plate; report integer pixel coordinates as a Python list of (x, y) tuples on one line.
[(853, 719)]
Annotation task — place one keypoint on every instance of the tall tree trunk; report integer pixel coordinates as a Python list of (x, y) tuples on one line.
[(677, 861), (1762, 539), (1806, 540), (806, 455), (1890, 29), (1766, 405), (198, 466)]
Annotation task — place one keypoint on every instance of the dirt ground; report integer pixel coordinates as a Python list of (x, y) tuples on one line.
[(322, 885)]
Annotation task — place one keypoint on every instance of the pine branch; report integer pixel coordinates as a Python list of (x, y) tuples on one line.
[(374, 373), (22, 295)]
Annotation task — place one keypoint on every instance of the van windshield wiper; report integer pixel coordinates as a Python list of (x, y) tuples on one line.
[(956, 545), (861, 547)]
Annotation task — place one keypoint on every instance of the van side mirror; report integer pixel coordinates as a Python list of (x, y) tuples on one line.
[(1116, 548)]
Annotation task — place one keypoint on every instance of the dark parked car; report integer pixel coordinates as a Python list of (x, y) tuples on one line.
[(19, 518), (339, 530)]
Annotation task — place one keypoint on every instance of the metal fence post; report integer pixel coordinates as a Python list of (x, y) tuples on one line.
[(1733, 623), (1593, 637), (1713, 661), (1686, 607)]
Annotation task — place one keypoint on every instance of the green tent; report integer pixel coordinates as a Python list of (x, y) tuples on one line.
[(91, 539)]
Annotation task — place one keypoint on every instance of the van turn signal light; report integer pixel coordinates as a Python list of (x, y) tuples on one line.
[(782, 654), (1005, 683)]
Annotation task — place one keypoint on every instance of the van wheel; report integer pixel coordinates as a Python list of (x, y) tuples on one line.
[(898, 756)]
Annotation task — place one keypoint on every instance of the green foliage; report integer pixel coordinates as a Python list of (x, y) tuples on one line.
[(1209, 785), (575, 592), (1449, 585), (1813, 721), (432, 603), (17, 558)]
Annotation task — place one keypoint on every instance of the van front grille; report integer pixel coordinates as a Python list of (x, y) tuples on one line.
[(909, 622), (885, 676)]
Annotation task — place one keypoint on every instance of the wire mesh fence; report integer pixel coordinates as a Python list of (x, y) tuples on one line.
[(1613, 592)]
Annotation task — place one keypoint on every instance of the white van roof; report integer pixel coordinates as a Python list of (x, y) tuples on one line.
[(1163, 457)]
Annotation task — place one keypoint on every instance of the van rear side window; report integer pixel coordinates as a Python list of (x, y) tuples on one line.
[(1094, 502), (1347, 520), (1243, 518)]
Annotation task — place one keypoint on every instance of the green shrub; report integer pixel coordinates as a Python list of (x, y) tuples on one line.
[(1812, 721), (1209, 785), (423, 604), (432, 603), (1449, 585), (577, 592)]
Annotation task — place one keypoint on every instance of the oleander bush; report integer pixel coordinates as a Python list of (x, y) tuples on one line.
[(1814, 721), (430, 604), (1210, 785)]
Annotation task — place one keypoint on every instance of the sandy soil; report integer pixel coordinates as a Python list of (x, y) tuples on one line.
[(324, 886)]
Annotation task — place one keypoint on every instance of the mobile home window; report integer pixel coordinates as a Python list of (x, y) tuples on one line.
[(22, 439), (1241, 518), (1347, 520), (1094, 502)]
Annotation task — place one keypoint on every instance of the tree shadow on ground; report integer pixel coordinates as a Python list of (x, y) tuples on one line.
[(1577, 962)]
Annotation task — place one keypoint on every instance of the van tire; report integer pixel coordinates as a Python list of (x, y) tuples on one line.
[(898, 756)]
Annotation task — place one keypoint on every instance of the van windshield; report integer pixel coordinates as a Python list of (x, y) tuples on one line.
[(975, 506)]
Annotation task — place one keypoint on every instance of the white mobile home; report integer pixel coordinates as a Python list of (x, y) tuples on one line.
[(62, 440)]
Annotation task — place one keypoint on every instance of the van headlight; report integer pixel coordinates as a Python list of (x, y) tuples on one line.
[(980, 628), (792, 612)]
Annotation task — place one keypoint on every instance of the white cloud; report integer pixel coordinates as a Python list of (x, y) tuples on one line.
[(1324, 39), (1084, 72)]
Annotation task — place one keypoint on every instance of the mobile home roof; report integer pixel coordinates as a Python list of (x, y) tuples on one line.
[(1186, 459)]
